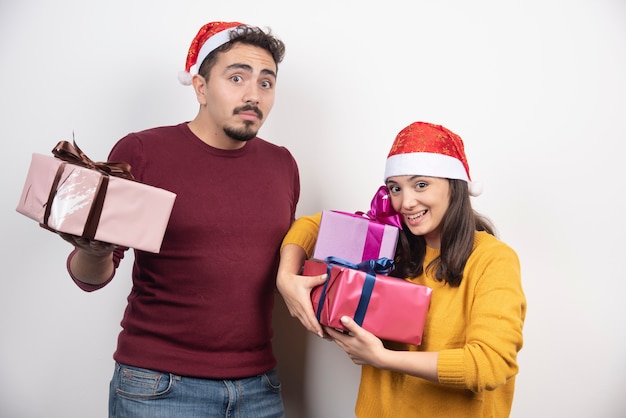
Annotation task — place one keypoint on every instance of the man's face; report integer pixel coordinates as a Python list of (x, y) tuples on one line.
[(240, 91)]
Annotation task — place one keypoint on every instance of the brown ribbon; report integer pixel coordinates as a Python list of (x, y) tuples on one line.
[(73, 155), (70, 153)]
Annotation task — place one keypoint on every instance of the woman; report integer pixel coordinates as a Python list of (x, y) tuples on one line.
[(467, 362)]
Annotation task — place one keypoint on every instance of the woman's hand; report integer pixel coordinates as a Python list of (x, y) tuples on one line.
[(296, 289), (360, 345)]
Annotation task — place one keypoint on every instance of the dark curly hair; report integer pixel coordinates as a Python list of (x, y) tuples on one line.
[(249, 35)]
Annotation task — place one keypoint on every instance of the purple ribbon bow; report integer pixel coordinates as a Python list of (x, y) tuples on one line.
[(381, 209)]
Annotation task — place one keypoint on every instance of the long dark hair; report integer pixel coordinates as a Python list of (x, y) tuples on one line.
[(459, 224)]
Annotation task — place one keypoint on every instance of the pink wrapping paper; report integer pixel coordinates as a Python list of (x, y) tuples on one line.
[(133, 214), (396, 311), (354, 238)]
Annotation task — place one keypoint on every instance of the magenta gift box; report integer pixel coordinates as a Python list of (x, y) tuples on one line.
[(354, 238), (394, 309), (66, 197)]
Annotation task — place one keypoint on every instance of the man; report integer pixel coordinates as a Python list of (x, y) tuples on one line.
[(196, 334)]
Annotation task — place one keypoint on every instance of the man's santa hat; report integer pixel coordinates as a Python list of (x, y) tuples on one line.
[(210, 36), (426, 149)]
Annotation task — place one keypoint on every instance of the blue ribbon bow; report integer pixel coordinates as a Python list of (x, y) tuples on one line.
[(370, 268)]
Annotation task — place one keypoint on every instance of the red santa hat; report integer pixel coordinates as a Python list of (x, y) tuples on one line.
[(429, 150), (209, 37)]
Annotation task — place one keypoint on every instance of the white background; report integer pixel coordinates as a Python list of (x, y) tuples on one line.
[(536, 88)]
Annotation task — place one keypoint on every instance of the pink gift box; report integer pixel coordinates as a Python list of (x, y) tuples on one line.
[(126, 212), (390, 308), (354, 238)]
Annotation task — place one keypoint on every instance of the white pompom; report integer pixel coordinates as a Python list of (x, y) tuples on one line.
[(185, 78), (475, 188)]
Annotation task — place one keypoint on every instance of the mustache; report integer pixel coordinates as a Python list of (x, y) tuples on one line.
[(247, 108)]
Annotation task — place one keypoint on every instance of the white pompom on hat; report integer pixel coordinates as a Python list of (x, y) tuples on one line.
[(209, 37), (431, 150)]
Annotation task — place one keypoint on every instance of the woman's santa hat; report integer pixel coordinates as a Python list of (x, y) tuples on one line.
[(210, 36), (426, 149)]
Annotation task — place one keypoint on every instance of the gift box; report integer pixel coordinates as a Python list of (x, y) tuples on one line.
[(359, 236), (100, 201), (390, 308)]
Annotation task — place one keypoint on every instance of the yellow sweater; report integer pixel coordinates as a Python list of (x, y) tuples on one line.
[(476, 328)]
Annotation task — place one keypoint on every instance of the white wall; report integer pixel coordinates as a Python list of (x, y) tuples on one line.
[(536, 88)]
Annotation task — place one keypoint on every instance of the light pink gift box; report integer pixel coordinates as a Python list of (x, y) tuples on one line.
[(133, 214), (394, 309), (354, 238)]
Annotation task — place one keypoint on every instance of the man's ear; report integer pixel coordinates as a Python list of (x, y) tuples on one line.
[(199, 87)]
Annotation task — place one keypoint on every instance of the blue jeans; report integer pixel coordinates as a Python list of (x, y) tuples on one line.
[(142, 393)]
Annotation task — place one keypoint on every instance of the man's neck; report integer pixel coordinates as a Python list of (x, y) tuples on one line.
[(213, 136)]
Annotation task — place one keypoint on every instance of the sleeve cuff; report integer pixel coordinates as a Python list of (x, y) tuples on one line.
[(87, 287), (450, 367), (303, 233)]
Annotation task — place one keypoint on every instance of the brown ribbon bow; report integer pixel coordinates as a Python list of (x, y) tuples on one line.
[(71, 154)]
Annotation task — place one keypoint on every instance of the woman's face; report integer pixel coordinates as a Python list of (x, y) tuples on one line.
[(422, 202)]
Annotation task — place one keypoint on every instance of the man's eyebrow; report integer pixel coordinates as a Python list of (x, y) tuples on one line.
[(269, 72), (248, 68), (238, 66)]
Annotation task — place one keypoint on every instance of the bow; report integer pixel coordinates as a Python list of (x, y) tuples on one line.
[(370, 268), (381, 209), (73, 155), (379, 266)]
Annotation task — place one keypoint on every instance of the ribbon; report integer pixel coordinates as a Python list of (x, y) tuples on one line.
[(71, 154), (370, 268), (380, 212), (381, 209)]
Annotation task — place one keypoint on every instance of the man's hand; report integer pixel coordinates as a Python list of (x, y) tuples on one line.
[(93, 262), (93, 248)]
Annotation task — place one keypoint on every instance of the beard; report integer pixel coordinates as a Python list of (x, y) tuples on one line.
[(247, 132), (241, 134)]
